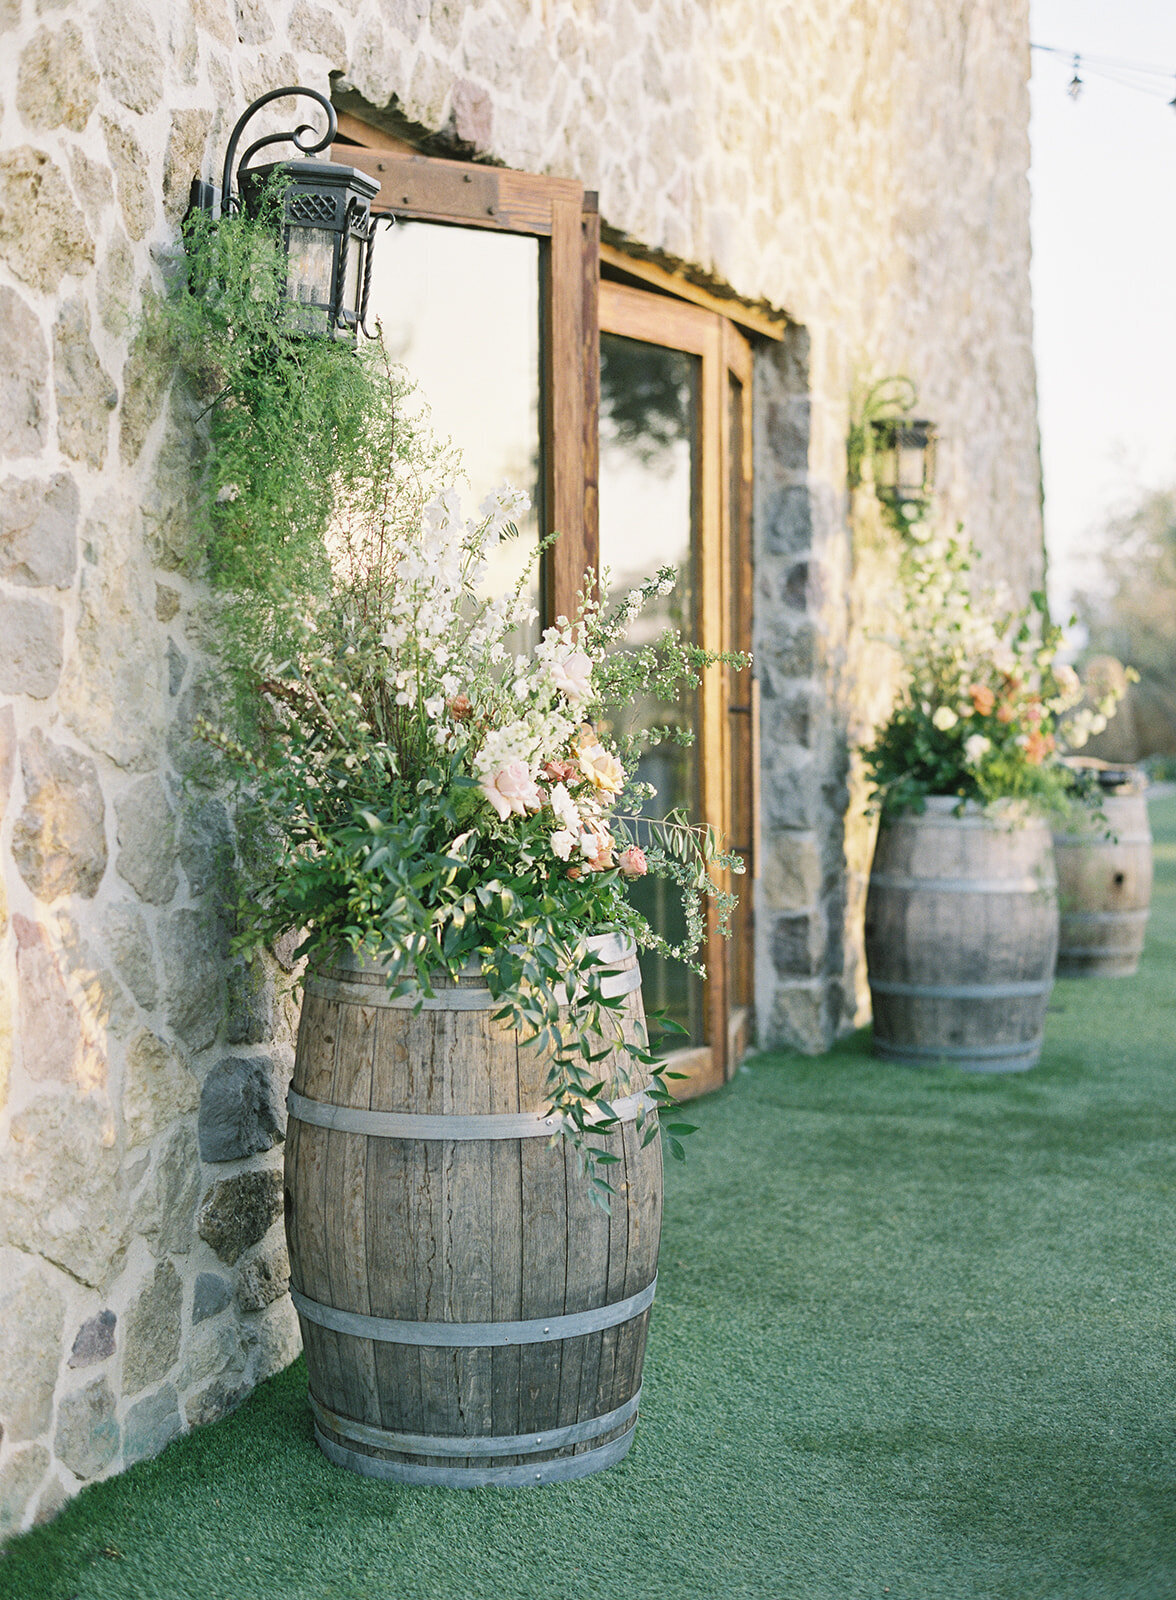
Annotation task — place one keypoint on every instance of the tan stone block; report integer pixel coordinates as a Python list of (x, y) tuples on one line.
[(61, 1190), (86, 394), (60, 1038), (216, 1350), (114, 691), (264, 1278), (32, 1333), (21, 1477), (212, 17), (54, 1498), (147, 839), (8, 748), (277, 1339), (183, 159), (315, 29), (59, 841), (128, 50), (24, 375), (254, 24), (129, 942), (7, 1029), (30, 646), (57, 82), (115, 284), (43, 235), (132, 175), (159, 1088), (152, 1343), (166, 1210), (93, 183), (146, 377), (38, 534)]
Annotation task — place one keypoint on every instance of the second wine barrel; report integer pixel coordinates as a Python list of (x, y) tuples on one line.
[(469, 1316), (961, 936), (1104, 861)]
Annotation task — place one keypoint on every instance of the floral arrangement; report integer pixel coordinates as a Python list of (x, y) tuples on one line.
[(426, 793), (417, 780), (986, 708)]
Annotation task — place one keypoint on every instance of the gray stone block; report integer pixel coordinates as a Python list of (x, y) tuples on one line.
[(193, 951), (151, 1424), (24, 378), (242, 1110), (87, 1436), (147, 839), (95, 1340), (210, 1295), (788, 521)]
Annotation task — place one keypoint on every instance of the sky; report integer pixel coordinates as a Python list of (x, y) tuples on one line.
[(1104, 270)]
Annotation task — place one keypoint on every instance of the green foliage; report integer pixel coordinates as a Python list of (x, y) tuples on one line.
[(302, 433)]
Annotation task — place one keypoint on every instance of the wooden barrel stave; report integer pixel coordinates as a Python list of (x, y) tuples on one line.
[(961, 935), (427, 1202), (1104, 890)]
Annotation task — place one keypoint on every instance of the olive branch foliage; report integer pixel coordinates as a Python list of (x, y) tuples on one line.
[(355, 827)]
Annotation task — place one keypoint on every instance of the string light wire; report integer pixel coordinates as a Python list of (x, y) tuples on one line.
[(1157, 81)]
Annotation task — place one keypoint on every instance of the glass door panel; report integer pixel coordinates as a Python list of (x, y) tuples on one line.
[(460, 309), (650, 464)]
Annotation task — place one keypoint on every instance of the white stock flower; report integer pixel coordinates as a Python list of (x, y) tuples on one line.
[(976, 747), (944, 718), (563, 842), (565, 808)]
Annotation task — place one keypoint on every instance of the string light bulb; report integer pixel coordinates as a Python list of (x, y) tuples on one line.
[(1074, 87)]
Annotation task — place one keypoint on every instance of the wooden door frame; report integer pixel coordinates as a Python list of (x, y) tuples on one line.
[(564, 217), (660, 319)]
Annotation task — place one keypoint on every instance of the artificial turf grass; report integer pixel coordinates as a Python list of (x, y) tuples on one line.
[(914, 1336)]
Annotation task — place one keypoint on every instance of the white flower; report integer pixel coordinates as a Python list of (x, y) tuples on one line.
[(563, 842), (944, 718), (976, 748), (565, 808)]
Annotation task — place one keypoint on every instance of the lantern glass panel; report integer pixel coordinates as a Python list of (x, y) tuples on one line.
[(310, 269), (911, 463)]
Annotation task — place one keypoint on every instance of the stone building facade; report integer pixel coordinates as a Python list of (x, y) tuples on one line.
[(860, 166)]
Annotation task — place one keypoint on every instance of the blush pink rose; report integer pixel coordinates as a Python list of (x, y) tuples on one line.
[(512, 791), (573, 677), (632, 862)]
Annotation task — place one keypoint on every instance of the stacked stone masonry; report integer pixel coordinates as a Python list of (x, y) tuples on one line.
[(861, 166)]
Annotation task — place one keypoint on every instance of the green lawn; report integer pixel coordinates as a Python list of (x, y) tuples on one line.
[(915, 1336)]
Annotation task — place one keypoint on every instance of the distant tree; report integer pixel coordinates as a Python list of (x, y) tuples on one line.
[(1130, 613)]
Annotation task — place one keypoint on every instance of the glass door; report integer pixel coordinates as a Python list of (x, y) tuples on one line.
[(675, 383)]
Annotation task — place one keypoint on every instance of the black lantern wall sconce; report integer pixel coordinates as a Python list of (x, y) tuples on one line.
[(903, 451), (900, 449), (327, 225)]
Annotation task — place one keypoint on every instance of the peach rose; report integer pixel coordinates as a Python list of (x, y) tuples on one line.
[(983, 699), (632, 862)]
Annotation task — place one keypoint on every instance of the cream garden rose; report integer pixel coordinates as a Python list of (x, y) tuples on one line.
[(603, 771)]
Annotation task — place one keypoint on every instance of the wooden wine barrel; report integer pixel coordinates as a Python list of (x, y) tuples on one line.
[(1104, 882), (961, 937), (469, 1316)]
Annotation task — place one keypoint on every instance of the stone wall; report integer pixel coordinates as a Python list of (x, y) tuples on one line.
[(862, 166)]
